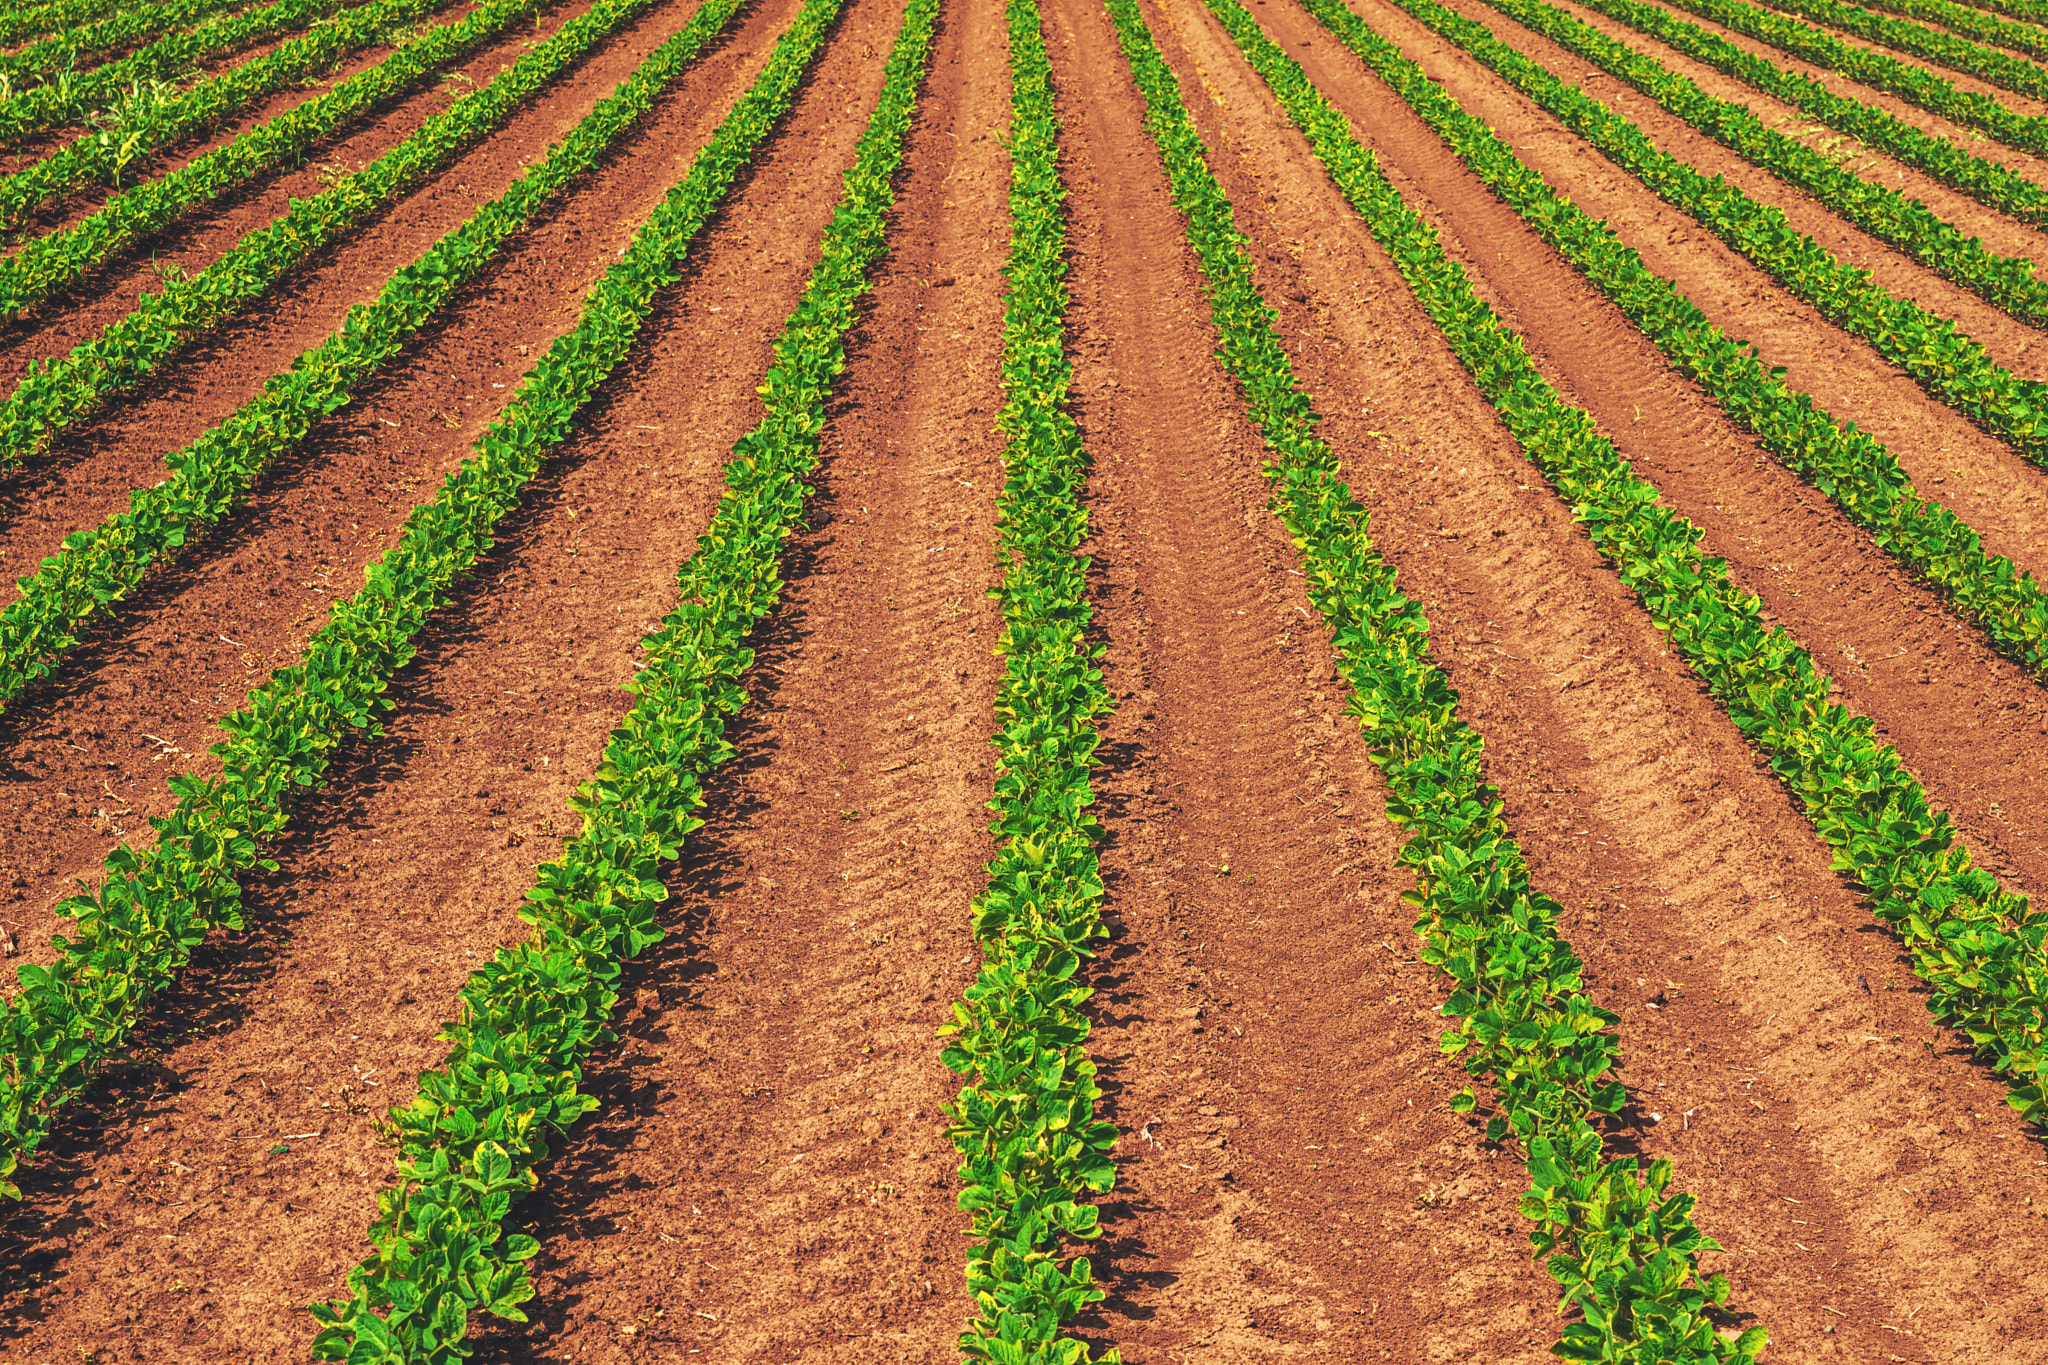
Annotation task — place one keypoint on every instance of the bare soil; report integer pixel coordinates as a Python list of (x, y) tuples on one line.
[(768, 1178), (1665, 813)]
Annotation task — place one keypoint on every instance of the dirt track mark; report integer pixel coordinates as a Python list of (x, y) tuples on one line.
[(410, 869), (1272, 1066), (774, 1182), (1703, 904)]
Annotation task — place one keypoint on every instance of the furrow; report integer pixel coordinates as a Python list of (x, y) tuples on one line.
[(1239, 1233), (779, 1103)]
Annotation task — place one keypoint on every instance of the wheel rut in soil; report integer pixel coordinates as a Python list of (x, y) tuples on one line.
[(770, 1178), (1702, 902), (88, 472), (1934, 687), (1260, 1208), (401, 878), (91, 748), (111, 291)]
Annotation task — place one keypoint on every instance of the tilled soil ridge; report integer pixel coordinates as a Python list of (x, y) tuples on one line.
[(770, 1179), (1268, 1046)]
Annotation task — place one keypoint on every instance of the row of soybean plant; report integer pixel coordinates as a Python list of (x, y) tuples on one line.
[(469, 1143), (1988, 182), (2005, 282), (2001, 69), (1614, 1233), (1862, 477), (2032, 10), (103, 156), (1943, 360), (1032, 1148), (60, 18), (81, 29), (62, 391), (1973, 23), (1878, 70), (69, 97)]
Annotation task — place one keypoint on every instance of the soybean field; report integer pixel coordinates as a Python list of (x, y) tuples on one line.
[(1034, 681)]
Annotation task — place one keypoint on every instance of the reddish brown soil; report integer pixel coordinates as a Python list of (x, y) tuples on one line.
[(770, 1179), (1292, 1185), (1657, 811), (1264, 1212), (316, 522)]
